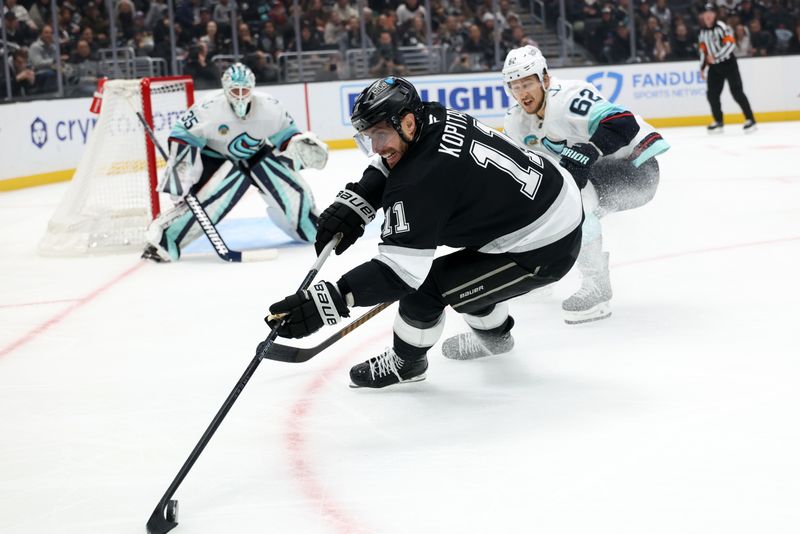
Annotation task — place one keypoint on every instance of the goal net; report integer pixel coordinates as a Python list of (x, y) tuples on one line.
[(112, 197)]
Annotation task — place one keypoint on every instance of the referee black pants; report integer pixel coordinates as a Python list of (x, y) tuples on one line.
[(717, 74)]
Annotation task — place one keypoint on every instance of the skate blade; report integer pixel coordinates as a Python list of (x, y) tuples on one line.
[(750, 130), (595, 313), (716, 131), (418, 378)]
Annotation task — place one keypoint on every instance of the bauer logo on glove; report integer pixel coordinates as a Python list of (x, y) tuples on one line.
[(305, 312)]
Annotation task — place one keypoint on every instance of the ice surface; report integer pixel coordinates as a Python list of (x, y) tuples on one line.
[(679, 414)]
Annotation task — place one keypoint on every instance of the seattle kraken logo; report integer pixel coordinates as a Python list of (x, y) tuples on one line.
[(243, 146), (608, 82)]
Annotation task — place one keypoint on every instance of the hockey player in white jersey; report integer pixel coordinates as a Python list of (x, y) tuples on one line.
[(233, 139), (609, 151)]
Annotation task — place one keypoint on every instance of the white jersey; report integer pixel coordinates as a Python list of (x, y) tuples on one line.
[(573, 112), (212, 126)]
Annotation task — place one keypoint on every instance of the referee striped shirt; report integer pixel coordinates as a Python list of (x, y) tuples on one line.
[(716, 42)]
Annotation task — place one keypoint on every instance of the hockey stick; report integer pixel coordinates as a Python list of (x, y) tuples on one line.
[(164, 517), (285, 353), (222, 250)]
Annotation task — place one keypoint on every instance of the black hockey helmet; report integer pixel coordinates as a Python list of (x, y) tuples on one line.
[(709, 6), (387, 99)]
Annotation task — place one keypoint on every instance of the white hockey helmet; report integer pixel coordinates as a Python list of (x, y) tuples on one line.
[(523, 62), (238, 83)]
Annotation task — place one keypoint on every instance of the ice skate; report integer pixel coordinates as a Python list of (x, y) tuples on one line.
[(715, 127), (479, 343), (387, 369), (156, 254), (749, 126), (591, 301)]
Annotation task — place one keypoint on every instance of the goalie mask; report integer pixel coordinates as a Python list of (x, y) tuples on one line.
[(388, 99), (238, 83)]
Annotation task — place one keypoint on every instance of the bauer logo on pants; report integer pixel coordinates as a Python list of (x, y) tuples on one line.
[(38, 132)]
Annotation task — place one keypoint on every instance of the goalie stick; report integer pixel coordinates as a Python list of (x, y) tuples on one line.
[(165, 516), (286, 353), (222, 250)]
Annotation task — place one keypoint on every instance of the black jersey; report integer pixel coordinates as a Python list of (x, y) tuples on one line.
[(461, 185)]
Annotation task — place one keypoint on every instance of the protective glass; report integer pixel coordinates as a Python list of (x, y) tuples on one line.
[(374, 138)]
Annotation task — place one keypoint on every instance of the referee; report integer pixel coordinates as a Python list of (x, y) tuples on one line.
[(716, 53)]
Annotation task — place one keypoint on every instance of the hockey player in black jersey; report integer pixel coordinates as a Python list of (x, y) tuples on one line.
[(441, 178)]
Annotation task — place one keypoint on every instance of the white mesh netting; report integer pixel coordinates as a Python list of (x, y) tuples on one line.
[(107, 206)]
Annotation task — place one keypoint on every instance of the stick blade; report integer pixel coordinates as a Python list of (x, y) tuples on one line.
[(158, 523), (283, 353)]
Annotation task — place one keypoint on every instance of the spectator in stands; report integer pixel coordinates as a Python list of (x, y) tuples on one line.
[(97, 22), (223, 11), (794, 42), (335, 28), (662, 12), (68, 23), (415, 35), (407, 11), (618, 49), (744, 48), (621, 10), (684, 45), (84, 68), (265, 72), (142, 43), (460, 8), (461, 64), (156, 11), (641, 15), (16, 33), (42, 53), (729, 5), (270, 41), (488, 25), (124, 18), (387, 60), (762, 40), (247, 43), (661, 48), (23, 78), (344, 9), (452, 34), (351, 38), (200, 28), (310, 39), (478, 47), (22, 15), (602, 32), (746, 12), (647, 38), (203, 72), (40, 14)]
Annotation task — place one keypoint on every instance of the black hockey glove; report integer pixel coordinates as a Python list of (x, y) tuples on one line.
[(577, 159), (349, 214), (309, 310)]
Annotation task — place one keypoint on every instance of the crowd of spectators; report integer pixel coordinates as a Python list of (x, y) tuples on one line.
[(265, 30), (667, 30)]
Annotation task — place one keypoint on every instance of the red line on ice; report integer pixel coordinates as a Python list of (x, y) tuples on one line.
[(57, 318), (299, 460)]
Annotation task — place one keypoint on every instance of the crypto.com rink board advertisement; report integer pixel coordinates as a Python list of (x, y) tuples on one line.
[(43, 141)]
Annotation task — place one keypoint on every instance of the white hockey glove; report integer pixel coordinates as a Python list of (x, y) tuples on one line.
[(183, 170), (307, 150)]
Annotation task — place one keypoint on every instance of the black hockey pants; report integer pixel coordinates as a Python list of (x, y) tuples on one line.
[(717, 74), (473, 282)]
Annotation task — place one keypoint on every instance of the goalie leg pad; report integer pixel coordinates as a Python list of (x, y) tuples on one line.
[(218, 197), (290, 203)]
